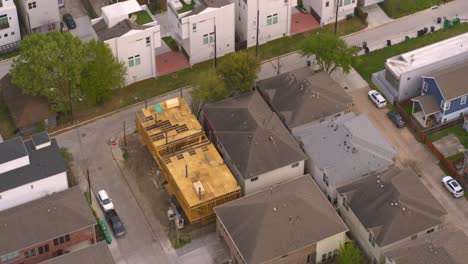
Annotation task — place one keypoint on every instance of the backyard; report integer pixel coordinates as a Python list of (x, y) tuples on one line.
[(456, 130), (400, 8), (142, 17)]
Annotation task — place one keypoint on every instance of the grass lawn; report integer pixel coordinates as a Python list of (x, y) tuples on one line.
[(367, 64), (171, 43), (143, 17), (186, 7), (457, 130), (400, 8), (456, 156)]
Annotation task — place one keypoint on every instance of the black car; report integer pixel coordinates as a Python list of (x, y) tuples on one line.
[(396, 119), (116, 224), (69, 21)]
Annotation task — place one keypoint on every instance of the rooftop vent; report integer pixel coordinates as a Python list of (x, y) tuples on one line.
[(198, 188)]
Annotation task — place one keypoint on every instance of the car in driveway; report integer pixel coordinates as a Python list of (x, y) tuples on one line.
[(69, 21), (453, 186), (377, 99), (105, 201), (396, 118), (115, 223)]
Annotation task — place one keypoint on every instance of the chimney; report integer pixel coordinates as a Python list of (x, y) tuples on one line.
[(41, 140)]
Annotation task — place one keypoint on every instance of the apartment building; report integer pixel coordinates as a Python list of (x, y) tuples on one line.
[(274, 20), (204, 29), (131, 43), (9, 23), (325, 10), (39, 16)]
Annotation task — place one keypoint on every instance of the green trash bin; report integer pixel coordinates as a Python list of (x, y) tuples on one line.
[(456, 21), (407, 38), (105, 231)]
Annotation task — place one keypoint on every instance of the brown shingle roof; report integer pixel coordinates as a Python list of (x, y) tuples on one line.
[(26, 110), (286, 217), (252, 134), (98, 253), (428, 104), (394, 204), (452, 81), (44, 219)]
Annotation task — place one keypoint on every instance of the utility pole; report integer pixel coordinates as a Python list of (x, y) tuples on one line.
[(89, 187), (336, 16), (215, 59), (278, 65), (258, 23), (70, 100), (125, 136)]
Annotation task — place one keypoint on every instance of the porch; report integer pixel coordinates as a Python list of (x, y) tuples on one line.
[(171, 62), (302, 22), (425, 109)]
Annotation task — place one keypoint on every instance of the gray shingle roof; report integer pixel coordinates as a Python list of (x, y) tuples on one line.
[(452, 80), (302, 97), (393, 204), (44, 219), (98, 253), (104, 33), (44, 163), (279, 220), (12, 149), (252, 135), (447, 246), (40, 138), (350, 147)]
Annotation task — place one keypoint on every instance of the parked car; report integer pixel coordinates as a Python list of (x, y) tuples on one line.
[(115, 223), (377, 99), (396, 119), (453, 186), (69, 21), (105, 201)]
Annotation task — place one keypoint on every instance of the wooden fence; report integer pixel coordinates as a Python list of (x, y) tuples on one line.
[(423, 136)]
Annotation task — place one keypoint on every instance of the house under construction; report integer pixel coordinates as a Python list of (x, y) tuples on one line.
[(195, 172)]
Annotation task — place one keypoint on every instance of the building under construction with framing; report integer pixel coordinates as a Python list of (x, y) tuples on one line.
[(195, 172)]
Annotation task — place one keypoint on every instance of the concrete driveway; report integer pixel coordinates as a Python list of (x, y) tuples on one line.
[(376, 16), (409, 148)]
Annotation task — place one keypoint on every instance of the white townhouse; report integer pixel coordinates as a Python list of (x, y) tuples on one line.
[(274, 20), (130, 42), (39, 15), (9, 24), (325, 10), (30, 170), (203, 28)]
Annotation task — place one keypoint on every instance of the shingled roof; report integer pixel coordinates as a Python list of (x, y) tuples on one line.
[(123, 27), (284, 218), (21, 106), (253, 135), (452, 81), (98, 253), (301, 97), (393, 204)]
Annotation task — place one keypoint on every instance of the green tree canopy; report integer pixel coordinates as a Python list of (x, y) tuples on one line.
[(56, 65), (349, 254), (239, 71), (330, 51), (102, 72), (209, 88)]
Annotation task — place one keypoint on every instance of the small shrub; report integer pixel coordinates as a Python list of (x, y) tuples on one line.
[(359, 12)]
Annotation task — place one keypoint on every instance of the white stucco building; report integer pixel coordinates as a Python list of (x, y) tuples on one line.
[(30, 170), (131, 43), (253, 142), (366, 3), (203, 29), (325, 10), (274, 20), (39, 16), (9, 24)]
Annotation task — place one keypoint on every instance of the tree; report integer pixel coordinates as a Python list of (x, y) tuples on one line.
[(50, 65), (239, 71), (330, 51), (102, 72), (349, 254), (209, 88)]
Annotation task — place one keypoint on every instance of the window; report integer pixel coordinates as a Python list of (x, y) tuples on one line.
[(345, 204), (463, 100), (310, 259), (9, 258), (4, 22), (137, 60), (335, 252), (62, 240), (269, 20), (205, 39), (295, 165), (131, 62), (212, 37), (254, 179), (56, 242), (330, 255), (148, 41), (12, 33), (325, 178), (41, 250), (425, 86), (430, 231), (327, 4), (46, 248), (67, 238), (447, 105), (194, 27), (26, 254), (275, 19), (324, 257), (33, 252), (32, 5)]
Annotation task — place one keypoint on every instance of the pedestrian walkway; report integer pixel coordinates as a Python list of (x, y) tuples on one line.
[(170, 62), (302, 23), (376, 16)]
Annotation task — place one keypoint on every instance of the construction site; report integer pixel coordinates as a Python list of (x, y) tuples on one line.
[(192, 167)]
